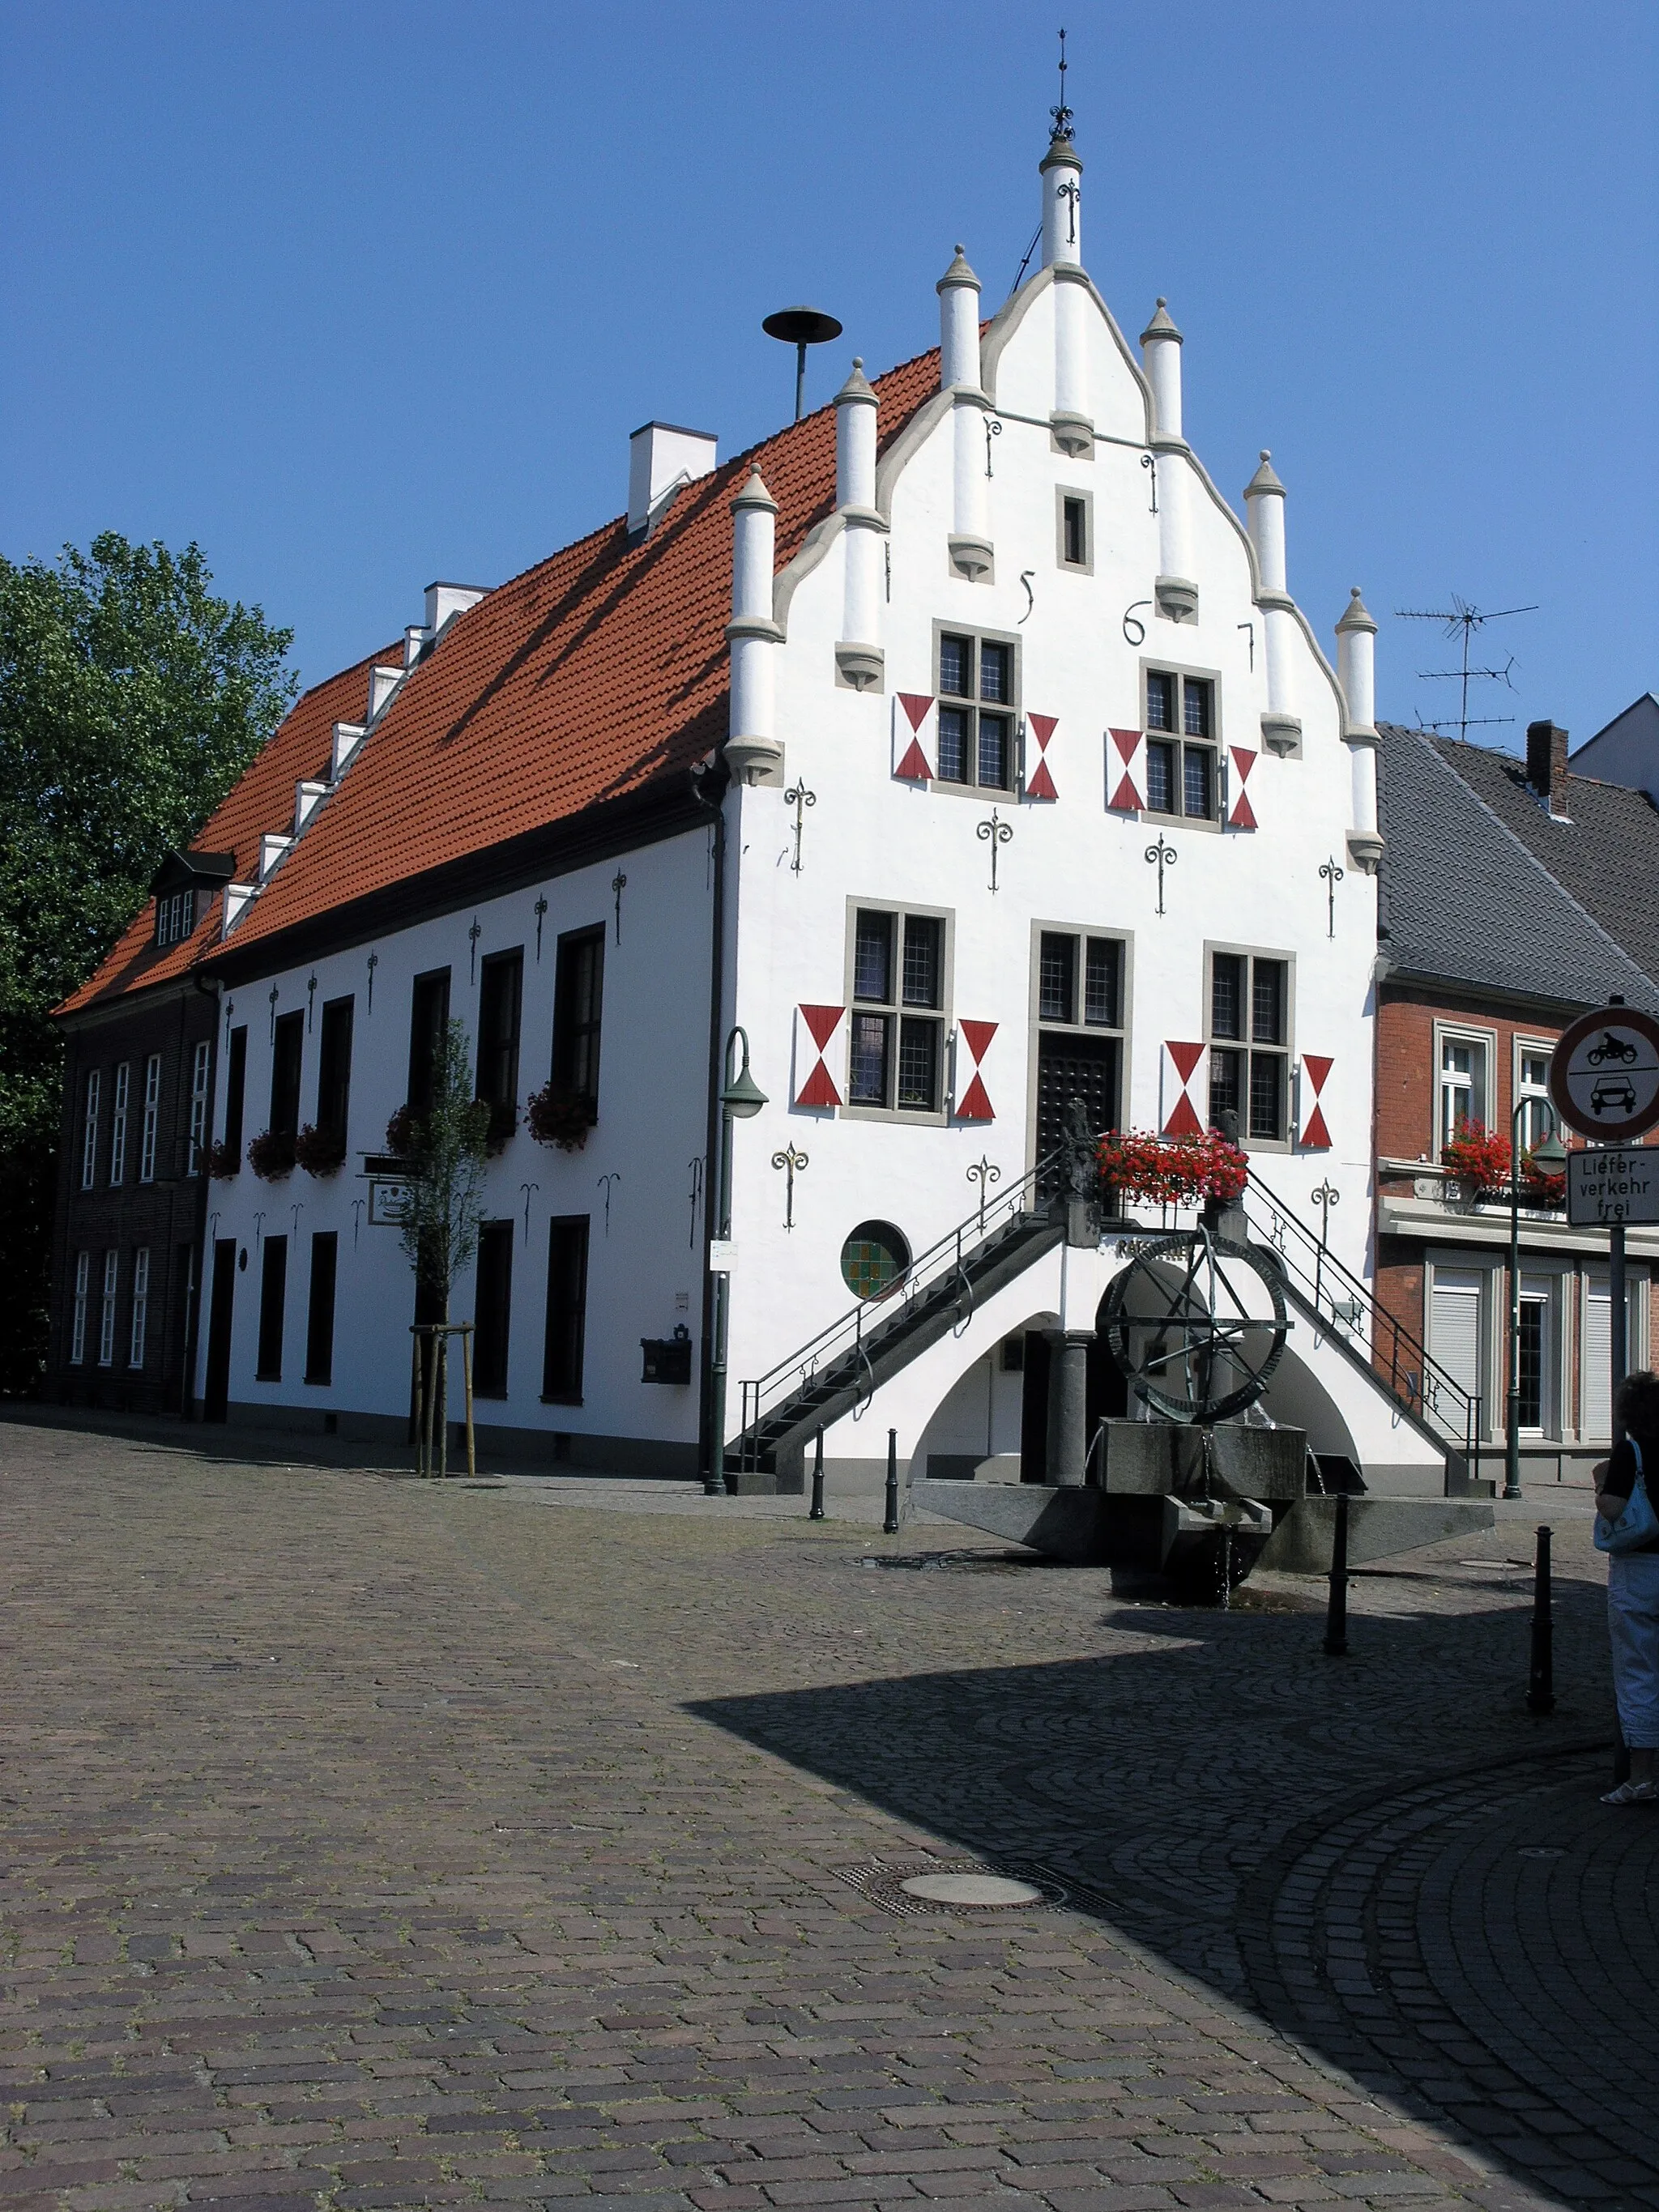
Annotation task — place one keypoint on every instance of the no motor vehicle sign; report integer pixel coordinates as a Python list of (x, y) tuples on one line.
[(1604, 1074)]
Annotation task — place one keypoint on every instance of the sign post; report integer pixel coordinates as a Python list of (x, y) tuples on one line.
[(1604, 1082)]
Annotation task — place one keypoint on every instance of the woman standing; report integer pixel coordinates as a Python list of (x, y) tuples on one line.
[(1633, 1587)]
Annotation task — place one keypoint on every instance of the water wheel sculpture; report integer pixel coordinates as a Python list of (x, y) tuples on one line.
[(1196, 1322)]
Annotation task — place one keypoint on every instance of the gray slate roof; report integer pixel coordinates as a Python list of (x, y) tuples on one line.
[(1605, 855), (1466, 899)]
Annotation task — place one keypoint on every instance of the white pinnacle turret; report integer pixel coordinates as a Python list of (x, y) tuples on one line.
[(958, 325)]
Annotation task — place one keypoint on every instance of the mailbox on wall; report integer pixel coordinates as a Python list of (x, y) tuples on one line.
[(667, 1359)]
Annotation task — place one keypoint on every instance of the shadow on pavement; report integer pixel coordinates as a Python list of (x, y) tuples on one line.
[(1383, 1857)]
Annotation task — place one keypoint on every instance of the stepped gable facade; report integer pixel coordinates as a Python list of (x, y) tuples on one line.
[(956, 754), (1497, 925)]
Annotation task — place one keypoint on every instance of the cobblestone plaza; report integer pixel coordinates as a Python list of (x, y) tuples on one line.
[(371, 1843)]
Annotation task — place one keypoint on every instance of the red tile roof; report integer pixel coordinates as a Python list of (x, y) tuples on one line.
[(594, 676), (299, 751)]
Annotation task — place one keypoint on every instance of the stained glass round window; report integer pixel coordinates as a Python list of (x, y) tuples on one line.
[(874, 1259)]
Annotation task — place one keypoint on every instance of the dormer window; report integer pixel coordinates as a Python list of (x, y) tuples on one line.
[(175, 916)]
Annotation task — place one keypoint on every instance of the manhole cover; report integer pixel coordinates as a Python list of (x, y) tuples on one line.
[(1542, 1851), (971, 1889), (913, 1886)]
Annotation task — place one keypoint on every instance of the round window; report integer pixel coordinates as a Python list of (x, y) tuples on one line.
[(874, 1259)]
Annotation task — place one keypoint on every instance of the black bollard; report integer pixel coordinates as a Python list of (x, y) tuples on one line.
[(816, 1513), (890, 1526), (1336, 1615), (1540, 1680)]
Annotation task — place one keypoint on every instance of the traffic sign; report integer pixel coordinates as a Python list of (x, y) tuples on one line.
[(1611, 1184), (1604, 1073)]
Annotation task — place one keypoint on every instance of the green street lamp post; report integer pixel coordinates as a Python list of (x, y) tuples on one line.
[(741, 1098), (1553, 1159)]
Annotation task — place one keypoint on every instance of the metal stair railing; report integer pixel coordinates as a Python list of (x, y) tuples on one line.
[(1349, 1312), (843, 1350)]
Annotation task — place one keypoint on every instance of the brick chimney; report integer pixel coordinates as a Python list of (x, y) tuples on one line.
[(1546, 766)]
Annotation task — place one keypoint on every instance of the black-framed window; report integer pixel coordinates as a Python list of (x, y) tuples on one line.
[(500, 996), (319, 1310), (1249, 1039), (287, 1057), (1080, 980), (235, 1093), (492, 1309), (334, 1070), (578, 1006), (898, 1000), (1074, 531), (978, 700), (567, 1310), (1180, 750), (429, 1027), (273, 1299)]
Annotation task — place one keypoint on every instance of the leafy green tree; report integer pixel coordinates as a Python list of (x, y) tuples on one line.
[(131, 698), (446, 1147)]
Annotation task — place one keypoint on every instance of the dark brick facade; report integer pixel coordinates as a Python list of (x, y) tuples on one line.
[(147, 1192)]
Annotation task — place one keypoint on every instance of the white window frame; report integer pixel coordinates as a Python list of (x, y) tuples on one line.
[(1247, 1044), (895, 1010), (152, 1117), (89, 1131), (1543, 1283), (1524, 1093), (140, 1328), (78, 1319), (1493, 1320), (1447, 1033), (118, 1125), (106, 1309), (201, 1064), (175, 917)]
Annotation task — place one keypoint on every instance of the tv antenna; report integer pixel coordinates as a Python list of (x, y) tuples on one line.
[(801, 327), (1462, 620)]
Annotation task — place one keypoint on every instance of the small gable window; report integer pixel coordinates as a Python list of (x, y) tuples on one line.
[(175, 917)]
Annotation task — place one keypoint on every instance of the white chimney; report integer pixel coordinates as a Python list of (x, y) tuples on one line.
[(306, 798), (271, 849), (348, 736), (443, 603), (383, 681), (661, 458)]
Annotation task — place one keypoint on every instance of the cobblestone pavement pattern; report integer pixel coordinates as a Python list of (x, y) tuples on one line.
[(376, 1843)]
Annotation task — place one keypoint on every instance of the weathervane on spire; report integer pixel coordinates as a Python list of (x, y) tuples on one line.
[(1062, 114)]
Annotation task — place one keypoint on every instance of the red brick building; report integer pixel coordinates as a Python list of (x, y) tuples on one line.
[(1484, 955)]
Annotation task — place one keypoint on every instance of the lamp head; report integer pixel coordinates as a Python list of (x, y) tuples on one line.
[(743, 1096), (1551, 1157)]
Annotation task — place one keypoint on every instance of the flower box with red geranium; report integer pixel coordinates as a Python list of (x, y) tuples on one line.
[(1479, 1158), (554, 1116), (319, 1152), (221, 1161), (1172, 1171), (270, 1154)]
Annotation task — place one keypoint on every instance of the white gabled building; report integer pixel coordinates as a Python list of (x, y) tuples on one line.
[(961, 748)]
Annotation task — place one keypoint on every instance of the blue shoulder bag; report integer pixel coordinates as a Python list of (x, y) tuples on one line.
[(1638, 1525)]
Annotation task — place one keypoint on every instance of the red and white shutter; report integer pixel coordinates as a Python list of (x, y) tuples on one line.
[(1125, 800), (819, 1024), (1039, 783), (915, 735), (973, 1040), (1183, 1119), (1243, 814), (1316, 1069)]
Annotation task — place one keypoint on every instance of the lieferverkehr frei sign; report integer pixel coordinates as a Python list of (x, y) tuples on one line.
[(1610, 1185)]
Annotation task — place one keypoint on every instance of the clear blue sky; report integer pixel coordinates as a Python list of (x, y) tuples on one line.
[(361, 294)]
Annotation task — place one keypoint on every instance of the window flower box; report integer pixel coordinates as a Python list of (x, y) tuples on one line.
[(270, 1154), (1172, 1171), (319, 1152), (554, 1116)]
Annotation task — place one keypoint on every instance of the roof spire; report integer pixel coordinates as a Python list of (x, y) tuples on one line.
[(1062, 114)]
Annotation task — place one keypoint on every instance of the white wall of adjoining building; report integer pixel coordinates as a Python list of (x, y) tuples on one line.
[(652, 1106), (1073, 863)]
